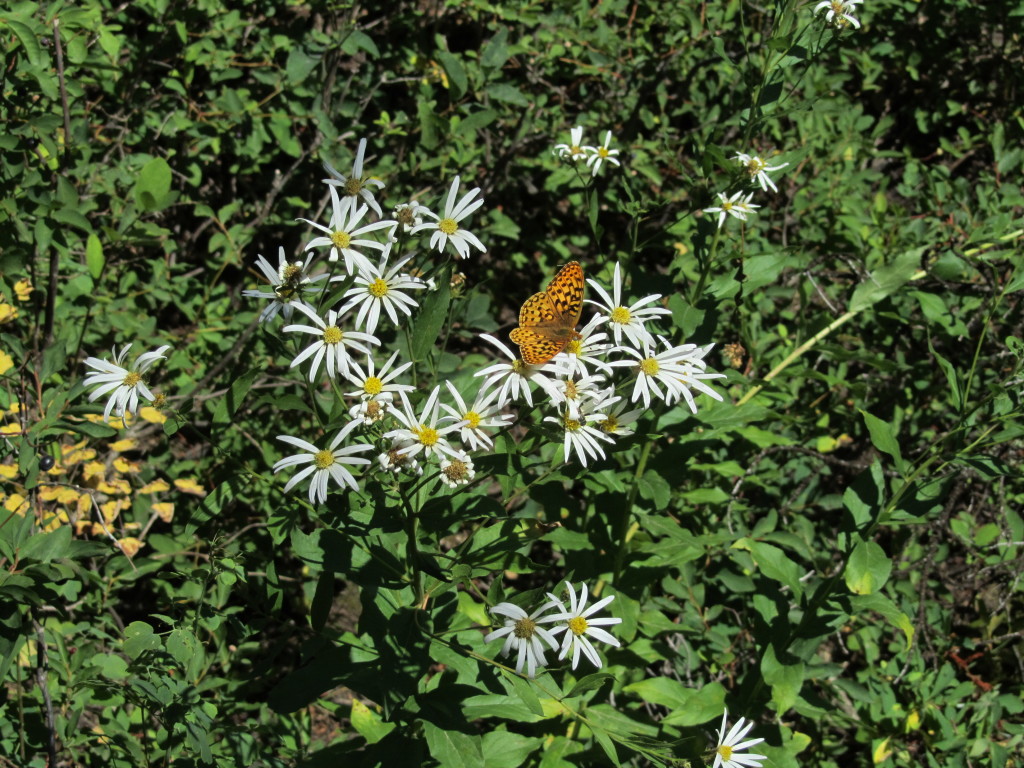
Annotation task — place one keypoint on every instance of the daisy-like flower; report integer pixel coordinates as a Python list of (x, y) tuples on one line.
[(582, 437), (355, 185), (394, 461), (408, 215), (344, 236), (380, 286), (573, 393), (758, 169), (598, 155), (513, 379), (523, 634), (421, 434), (580, 625), (484, 413), (123, 385), (670, 374), (622, 320), (617, 420), (583, 352), (732, 206), (730, 744), (446, 228), (457, 470), (373, 384), (373, 409), (333, 345), (325, 464), (288, 282), (572, 151), (840, 12)]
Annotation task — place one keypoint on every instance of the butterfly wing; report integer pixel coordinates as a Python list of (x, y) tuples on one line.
[(565, 292), (537, 347)]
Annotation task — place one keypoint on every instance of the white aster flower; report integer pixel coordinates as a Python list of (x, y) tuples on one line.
[(344, 236), (729, 745), (333, 344), (523, 634), (670, 374), (394, 461), (446, 228), (355, 185), (581, 437), (574, 393), (380, 286), (123, 385), (622, 320), (572, 151), (513, 378), (323, 464), (371, 383), (617, 420), (840, 12), (580, 625), (457, 470), (288, 282), (408, 215), (732, 206), (583, 352), (372, 409), (598, 155), (421, 434), (758, 169), (484, 413)]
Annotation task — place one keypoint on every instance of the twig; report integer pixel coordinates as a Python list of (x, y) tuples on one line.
[(42, 664)]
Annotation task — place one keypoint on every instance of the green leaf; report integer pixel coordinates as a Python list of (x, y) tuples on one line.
[(152, 190), (453, 749), (868, 568), (432, 317), (663, 691), (703, 704), (885, 607), (186, 649), (45, 547), (883, 439), (888, 279), (589, 683), (368, 723), (94, 258), (952, 380), (774, 563), (228, 405), (139, 638), (785, 680), (457, 81)]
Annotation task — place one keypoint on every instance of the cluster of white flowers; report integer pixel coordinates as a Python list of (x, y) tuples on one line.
[(523, 632), (840, 12), (593, 157), (579, 384), (124, 386), (738, 205)]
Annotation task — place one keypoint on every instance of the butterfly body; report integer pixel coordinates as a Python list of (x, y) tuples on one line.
[(547, 320)]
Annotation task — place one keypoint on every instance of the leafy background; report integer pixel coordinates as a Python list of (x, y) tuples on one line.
[(834, 551)]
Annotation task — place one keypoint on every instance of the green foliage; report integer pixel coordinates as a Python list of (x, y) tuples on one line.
[(831, 552)]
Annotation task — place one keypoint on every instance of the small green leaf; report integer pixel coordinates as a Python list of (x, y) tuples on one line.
[(786, 680), (888, 279), (457, 82), (883, 439), (152, 190), (94, 258), (368, 723), (867, 569), (139, 638), (45, 547)]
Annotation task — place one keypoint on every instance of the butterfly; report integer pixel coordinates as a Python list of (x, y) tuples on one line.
[(547, 321)]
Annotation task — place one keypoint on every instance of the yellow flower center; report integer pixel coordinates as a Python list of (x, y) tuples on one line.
[(518, 366), (571, 425), (378, 288), (602, 152), (426, 435), (373, 386), (353, 187), (650, 366), (725, 751), (473, 418), (524, 628), (333, 335), (290, 272), (341, 239), (323, 459), (620, 315), (131, 379), (575, 150), (448, 226), (574, 347), (571, 392), (610, 424), (406, 217), (374, 410), (578, 625)]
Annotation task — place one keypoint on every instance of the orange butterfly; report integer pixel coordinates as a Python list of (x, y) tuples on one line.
[(547, 321)]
